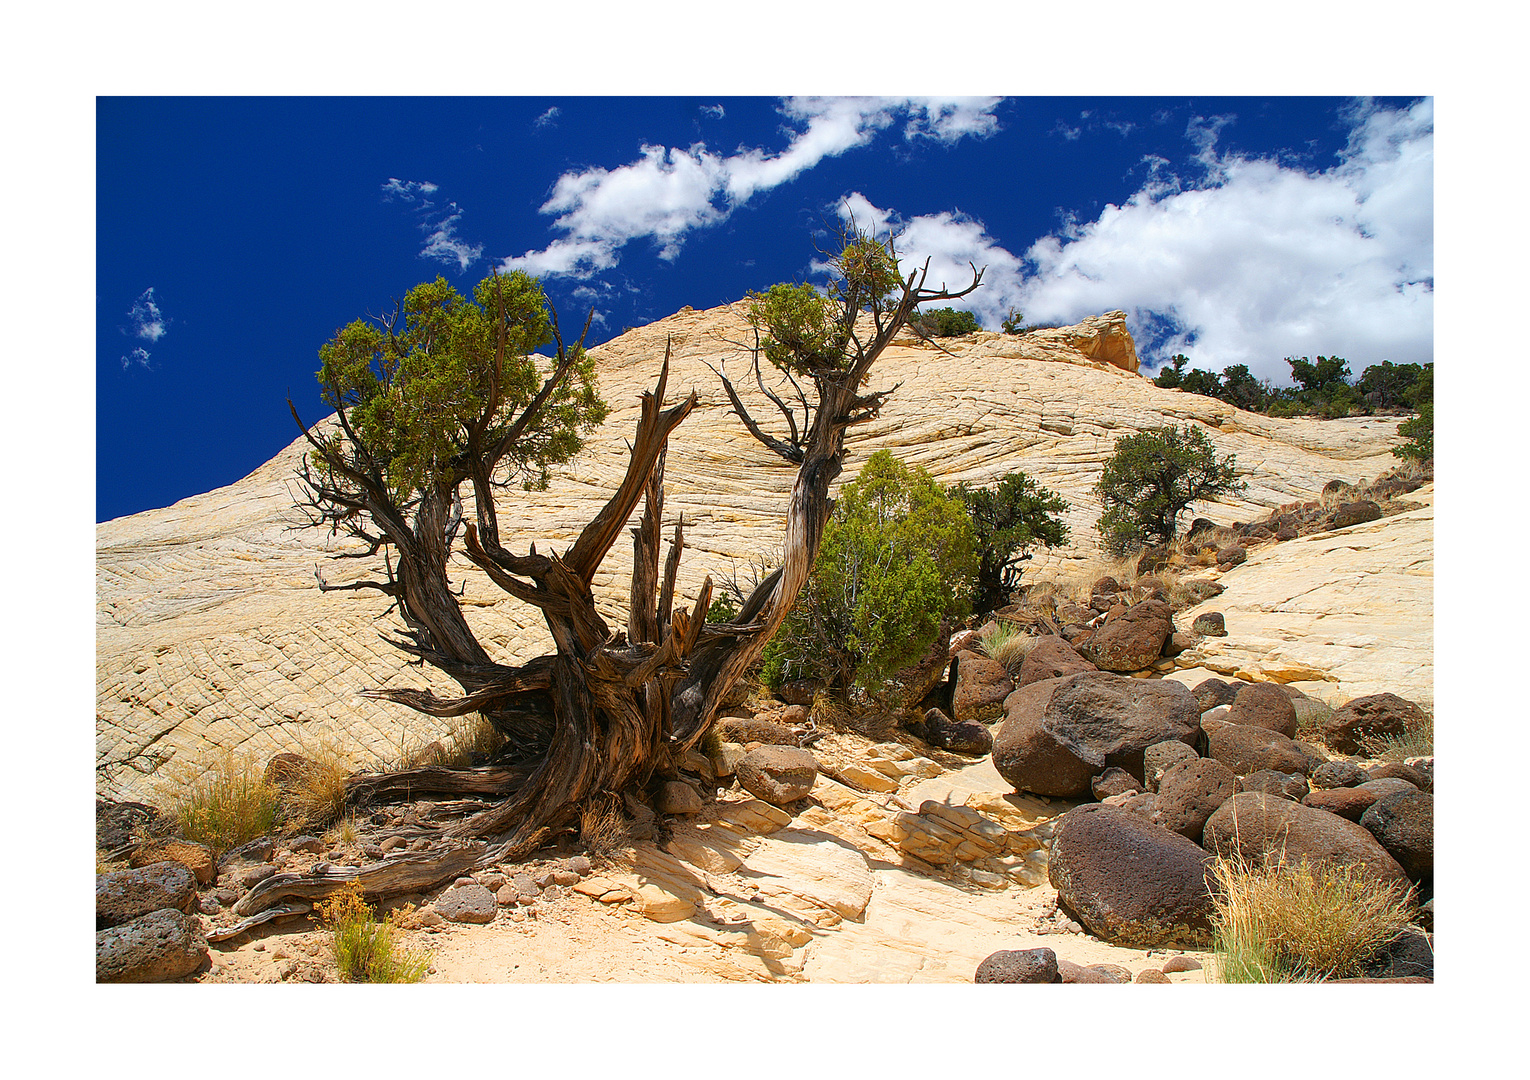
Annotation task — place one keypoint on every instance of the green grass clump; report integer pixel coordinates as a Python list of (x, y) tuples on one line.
[(1416, 740), (366, 950), (1277, 923), (225, 806)]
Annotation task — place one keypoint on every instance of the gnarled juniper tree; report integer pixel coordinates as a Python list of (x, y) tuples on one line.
[(445, 392)]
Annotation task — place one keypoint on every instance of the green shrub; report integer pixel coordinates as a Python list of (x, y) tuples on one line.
[(366, 950), (1419, 431), (1014, 322), (1007, 521), (948, 322), (897, 557), (1150, 480)]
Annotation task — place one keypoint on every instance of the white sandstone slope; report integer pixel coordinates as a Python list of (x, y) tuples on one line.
[(212, 632)]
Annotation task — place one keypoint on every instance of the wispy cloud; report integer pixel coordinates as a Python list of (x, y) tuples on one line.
[(147, 323), (668, 192), (438, 223), (1254, 260), (715, 112), (547, 119)]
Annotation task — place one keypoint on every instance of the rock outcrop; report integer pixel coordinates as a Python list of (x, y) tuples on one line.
[(211, 631)]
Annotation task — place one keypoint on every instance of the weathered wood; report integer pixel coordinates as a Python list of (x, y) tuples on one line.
[(253, 921), (432, 780), (392, 877)]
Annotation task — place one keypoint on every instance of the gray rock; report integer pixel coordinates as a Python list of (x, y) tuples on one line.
[(125, 895), (777, 774), (467, 904), (156, 947)]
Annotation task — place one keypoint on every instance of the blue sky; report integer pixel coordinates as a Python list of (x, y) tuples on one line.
[(235, 234)]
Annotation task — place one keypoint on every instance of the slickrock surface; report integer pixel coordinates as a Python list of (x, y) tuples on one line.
[(212, 632)]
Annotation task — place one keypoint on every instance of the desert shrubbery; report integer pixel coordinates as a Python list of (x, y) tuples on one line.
[(366, 950), (226, 805), (1150, 480), (1281, 923), (1006, 643)]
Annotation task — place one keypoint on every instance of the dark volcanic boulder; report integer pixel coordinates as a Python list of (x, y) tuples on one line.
[(1404, 825), (1114, 782), (777, 774), (1245, 749), (1209, 693), (1050, 658), (124, 895), (156, 947), (1031, 758), (1018, 966), (1210, 624), (1264, 705), (1349, 803), (1109, 720), (1253, 824), (958, 736), (982, 684), (1396, 770), (1376, 716), (1190, 792), (1282, 785), (1160, 758), (1132, 640), (1355, 513), (1129, 881), (1338, 774)]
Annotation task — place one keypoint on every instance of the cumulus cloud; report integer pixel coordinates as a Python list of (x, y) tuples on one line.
[(1254, 260), (668, 192), (438, 223)]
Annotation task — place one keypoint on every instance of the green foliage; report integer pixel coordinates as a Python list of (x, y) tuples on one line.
[(1390, 382), (897, 558), (1241, 389), (1007, 521), (1419, 431), (443, 377), (1150, 480), (1014, 322), (722, 609), (803, 330), (1326, 374), (1205, 383), (366, 950), (1172, 373), (948, 322)]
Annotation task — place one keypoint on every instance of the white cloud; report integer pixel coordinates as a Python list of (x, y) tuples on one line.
[(667, 192), (1255, 260), (148, 323), (715, 112), (137, 356), (438, 223), (549, 117)]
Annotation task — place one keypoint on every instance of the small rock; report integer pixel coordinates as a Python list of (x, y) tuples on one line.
[(470, 903), (311, 844), (393, 843), (565, 877), (492, 880), (1018, 966), (372, 851), (580, 865), (1151, 975), (506, 895), (1181, 963), (1210, 624)]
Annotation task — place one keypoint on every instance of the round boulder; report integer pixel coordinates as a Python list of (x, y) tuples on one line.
[(1245, 749), (156, 947), (1108, 720), (1338, 774), (1050, 658), (1349, 803), (1209, 693), (777, 774), (1133, 640), (1190, 792), (959, 736), (1210, 624), (1374, 717), (124, 895), (1129, 881), (1018, 966), (1355, 513), (1396, 770), (1030, 758), (982, 684), (1404, 825), (1160, 758), (1264, 705), (1253, 825), (467, 904), (1281, 785)]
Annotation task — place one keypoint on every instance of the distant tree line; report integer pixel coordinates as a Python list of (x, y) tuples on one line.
[(1324, 387)]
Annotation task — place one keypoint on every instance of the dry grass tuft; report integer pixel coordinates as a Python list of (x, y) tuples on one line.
[(1417, 740), (314, 797), (1279, 923), (367, 950), (1007, 644), (225, 806), (603, 830)]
